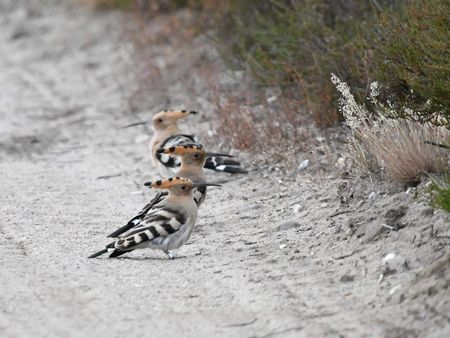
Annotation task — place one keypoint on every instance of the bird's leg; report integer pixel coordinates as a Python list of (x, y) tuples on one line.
[(169, 254)]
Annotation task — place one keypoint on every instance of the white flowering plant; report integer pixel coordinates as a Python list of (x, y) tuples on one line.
[(397, 146)]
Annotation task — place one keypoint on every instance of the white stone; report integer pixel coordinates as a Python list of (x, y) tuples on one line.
[(303, 165), (394, 289), (296, 208), (341, 163), (271, 99), (389, 257)]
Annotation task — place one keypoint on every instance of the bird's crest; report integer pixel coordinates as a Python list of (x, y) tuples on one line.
[(166, 183), (184, 149), (174, 113)]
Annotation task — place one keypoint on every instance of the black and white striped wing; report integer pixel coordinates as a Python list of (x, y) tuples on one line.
[(171, 161), (136, 220), (224, 164), (155, 227)]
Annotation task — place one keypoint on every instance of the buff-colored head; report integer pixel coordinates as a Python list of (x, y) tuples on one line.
[(168, 118), (177, 185), (190, 154)]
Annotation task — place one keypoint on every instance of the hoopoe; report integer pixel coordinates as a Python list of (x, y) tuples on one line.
[(192, 160), (167, 134), (167, 226)]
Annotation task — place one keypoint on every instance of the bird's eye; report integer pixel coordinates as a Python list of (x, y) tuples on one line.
[(160, 120), (183, 187), (196, 155)]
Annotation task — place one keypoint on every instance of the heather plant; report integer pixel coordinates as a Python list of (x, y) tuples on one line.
[(413, 60)]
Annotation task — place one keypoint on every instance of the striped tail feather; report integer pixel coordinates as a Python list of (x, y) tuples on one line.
[(103, 251), (135, 221), (225, 164), (117, 253), (156, 226), (99, 253), (131, 224), (114, 252)]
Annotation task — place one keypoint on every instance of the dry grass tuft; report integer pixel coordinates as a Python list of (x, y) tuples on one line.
[(396, 146), (399, 146)]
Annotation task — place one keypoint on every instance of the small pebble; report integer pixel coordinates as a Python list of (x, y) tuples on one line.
[(288, 225), (388, 257), (346, 278), (271, 99)]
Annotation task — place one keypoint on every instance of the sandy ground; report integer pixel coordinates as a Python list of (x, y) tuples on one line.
[(272, 256)]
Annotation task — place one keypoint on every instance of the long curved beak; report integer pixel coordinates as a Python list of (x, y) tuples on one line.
[(200, 185), (134, 124), (218, 154)]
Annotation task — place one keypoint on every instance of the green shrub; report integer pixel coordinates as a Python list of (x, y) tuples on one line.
[(413, 59), (296, 44), (441, 194), (108, 4)]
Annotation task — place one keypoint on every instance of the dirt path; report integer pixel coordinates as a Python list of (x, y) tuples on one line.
[(69, 175)]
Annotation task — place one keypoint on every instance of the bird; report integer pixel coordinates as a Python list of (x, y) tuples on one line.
[(167, 134), (192, 160), (167, 226)]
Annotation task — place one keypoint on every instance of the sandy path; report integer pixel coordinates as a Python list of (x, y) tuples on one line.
[(60, 115)]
